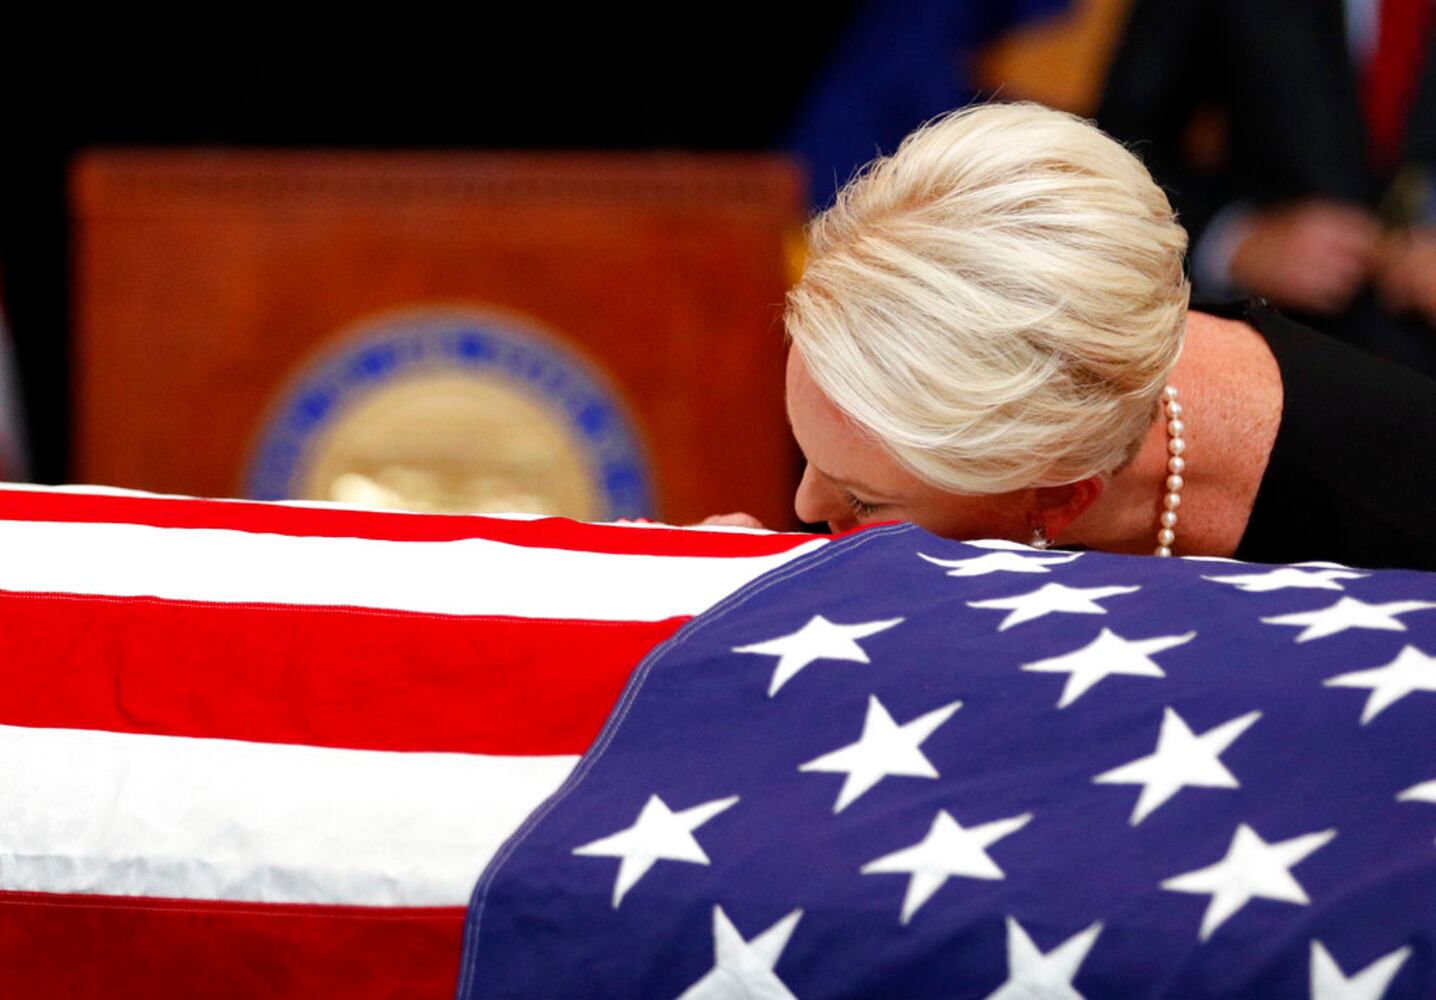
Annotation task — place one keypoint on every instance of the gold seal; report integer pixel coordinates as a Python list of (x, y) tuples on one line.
[(454, 409), (453, 441)]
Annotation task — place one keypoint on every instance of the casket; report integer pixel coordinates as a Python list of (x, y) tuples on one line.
[(269, 750)]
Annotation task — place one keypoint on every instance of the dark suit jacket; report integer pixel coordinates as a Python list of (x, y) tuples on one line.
[(1279, 73)]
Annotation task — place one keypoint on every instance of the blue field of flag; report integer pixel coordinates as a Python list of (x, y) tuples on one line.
[(909, 767)]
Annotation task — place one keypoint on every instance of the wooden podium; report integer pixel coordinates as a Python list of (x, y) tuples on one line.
[(207, 282)]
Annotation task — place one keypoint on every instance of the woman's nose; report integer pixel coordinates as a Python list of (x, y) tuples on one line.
[(816, 502)]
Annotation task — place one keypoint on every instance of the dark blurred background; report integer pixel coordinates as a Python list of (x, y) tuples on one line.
[(429, 76), (1259, 116)]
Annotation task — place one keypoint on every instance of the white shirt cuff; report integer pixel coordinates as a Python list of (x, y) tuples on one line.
[(1212, 256)]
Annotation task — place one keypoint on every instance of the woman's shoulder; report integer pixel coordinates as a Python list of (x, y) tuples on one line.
[(1305, 355), (1231, 386), (1354, 459), (1333, 378)]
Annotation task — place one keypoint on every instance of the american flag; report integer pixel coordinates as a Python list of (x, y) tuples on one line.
[(257, 750), (903, 767)]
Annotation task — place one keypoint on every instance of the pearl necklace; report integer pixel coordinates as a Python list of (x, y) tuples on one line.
[(1176, 465)]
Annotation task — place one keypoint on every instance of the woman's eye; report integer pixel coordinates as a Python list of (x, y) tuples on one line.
[(859, 508)]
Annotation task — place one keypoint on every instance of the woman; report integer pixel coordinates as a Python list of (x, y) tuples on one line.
[(991, 339)]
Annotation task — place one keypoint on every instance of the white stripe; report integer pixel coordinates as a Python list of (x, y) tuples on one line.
[(717, 529), (89, 489), (466, 577), (119, 491), (118, 814)]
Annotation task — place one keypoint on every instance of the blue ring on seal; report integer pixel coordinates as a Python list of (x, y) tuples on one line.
[(458, 342)]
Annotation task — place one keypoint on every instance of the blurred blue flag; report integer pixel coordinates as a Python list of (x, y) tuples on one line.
[(901, 63), (908, 767)]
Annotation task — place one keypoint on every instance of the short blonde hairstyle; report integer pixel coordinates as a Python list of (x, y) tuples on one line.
[(999, 303)]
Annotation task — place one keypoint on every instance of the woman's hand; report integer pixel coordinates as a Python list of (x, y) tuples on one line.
[(736, 520)]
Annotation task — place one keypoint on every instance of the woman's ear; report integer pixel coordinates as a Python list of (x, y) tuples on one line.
[(1055, 507)]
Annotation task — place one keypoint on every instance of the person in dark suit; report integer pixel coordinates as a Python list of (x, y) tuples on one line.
[(1321, 199)]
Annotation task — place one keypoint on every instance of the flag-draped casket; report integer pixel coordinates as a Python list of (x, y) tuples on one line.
[(256, 750)]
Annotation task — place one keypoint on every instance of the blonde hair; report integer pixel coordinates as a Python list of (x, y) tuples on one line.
[(999, 303)]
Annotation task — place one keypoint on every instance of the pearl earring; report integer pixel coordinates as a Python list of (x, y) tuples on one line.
[(1039, 538)]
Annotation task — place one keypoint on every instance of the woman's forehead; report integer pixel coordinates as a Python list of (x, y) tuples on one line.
[(813, 415), (838, 448)]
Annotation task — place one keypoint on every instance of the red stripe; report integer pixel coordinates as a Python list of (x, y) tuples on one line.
[(92, 947), (549, 532), (340, 677)]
